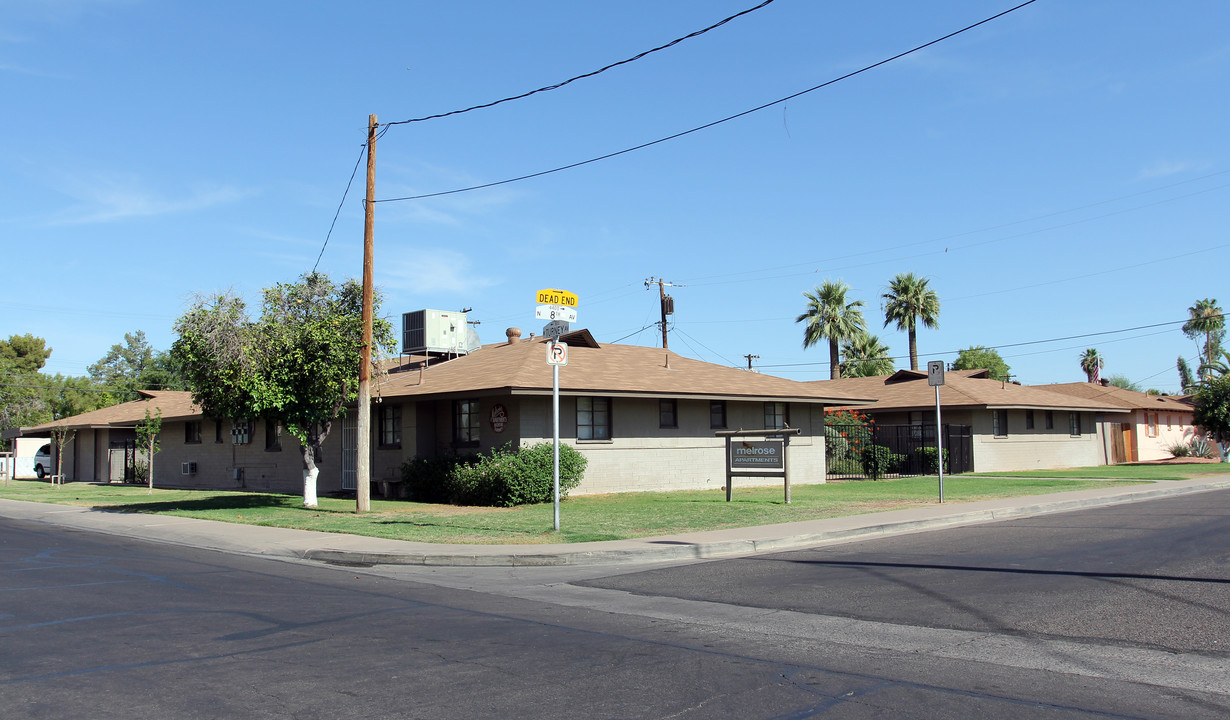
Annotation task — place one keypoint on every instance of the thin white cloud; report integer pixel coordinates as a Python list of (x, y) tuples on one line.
[(1164, 168), (104, 199), (427, 274)]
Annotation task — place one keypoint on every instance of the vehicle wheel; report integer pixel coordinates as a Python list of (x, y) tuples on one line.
[(40, 472)]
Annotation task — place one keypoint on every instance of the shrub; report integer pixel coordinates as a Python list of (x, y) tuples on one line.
[(926, 457), (879, 461), (1201, 447), (427, 478), (510, 475), (845, 466), (1179, 449)]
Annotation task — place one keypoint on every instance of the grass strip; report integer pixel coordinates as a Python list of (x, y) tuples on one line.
[(583, 518)]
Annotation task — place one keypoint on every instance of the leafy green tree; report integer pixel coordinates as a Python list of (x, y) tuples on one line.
[(1213, 412), (135, 365), (1216, 368), (1122, 381), (978, 357), (24, 353), (1187, 384), (830, 317), (298, 363), (865, 356), (1205, 319), (910, 300), (1091, 364), (147, 435)]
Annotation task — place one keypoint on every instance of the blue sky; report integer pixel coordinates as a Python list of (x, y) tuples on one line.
[(1061, 171)]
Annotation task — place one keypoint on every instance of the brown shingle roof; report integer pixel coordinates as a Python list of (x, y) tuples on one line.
[(521, 368), (175, 405), (908, 390), (1123, 398)]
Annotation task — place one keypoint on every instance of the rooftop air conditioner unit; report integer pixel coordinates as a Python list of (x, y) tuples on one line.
[(437, 331), (188, 468)]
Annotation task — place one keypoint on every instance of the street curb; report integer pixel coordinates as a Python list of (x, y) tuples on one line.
[(666, 549)]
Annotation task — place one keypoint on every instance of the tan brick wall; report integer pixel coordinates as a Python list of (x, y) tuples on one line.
[(1038, 448)]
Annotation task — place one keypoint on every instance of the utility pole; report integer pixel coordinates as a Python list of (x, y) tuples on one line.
[(750, 358), (363, 450), (668, 303)]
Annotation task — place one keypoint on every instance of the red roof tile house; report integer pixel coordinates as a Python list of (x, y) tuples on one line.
[(1153, 425), (1013, 427), (645, 418)]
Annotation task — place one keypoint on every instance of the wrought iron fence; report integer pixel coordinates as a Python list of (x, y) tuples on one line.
[(887, 451)]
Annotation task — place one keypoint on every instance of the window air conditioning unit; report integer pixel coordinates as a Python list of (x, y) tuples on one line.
[(188, 468)]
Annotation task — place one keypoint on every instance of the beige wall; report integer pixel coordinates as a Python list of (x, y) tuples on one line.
[(642, 456), (1038, 448), (1180, 430)]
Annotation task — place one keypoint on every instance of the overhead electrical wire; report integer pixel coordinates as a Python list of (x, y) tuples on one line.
[(715, 123), (559, 85), (328, 235), (1022, 344)]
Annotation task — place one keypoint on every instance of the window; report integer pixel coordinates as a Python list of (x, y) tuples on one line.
[(390, 426), (1074, 424), (1050, 420), (273, 436), (217, 431), (999, 423), (1029, 419), (1151, 419), (1167, 422), (192, 432), (668, 416), (776, 415), (717, 413), (465, 422), (593, 418)]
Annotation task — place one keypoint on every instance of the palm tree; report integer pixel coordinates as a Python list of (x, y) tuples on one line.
[(1206, 318), (864, 356), (830, 316), (908, 301), (1091, 364)]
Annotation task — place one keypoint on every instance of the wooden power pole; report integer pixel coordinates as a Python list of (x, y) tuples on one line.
[(363, 450)]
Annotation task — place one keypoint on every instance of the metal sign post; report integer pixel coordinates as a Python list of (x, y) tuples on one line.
[(935, 378), (558, 306)]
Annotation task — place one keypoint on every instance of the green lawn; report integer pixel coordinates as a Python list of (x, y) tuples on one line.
[(1126, 472), (582, 518)]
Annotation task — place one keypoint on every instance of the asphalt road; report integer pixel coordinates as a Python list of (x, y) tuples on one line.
[(1108, 613)]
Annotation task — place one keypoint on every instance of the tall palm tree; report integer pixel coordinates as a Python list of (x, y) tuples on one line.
[(1091, 364), (864, 356), (830, 316), (908, 301), (1206, 318)]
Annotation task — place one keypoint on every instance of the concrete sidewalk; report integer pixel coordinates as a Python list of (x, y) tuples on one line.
[(359, 550)]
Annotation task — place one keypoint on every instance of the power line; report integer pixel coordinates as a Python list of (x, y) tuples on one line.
[(559, 85), (715, 123), (1022, 344), (339, 205)]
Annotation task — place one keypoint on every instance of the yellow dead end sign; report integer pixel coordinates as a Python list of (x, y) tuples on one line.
[(557, 297)]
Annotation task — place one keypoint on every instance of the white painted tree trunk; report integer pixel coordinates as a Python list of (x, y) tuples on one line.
[(309, 486)]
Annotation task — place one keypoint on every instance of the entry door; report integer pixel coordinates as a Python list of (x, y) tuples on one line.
[(350, 453)]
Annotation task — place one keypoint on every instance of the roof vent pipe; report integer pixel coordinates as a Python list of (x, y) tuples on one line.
[(514, 335)]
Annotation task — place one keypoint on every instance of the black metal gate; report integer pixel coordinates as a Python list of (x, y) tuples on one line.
[(872, 450)]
